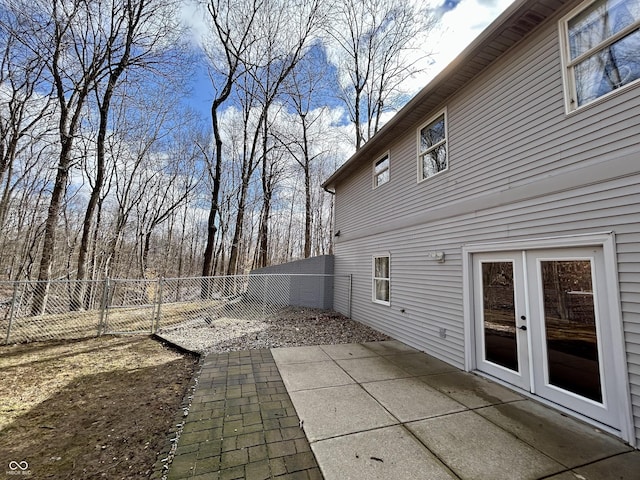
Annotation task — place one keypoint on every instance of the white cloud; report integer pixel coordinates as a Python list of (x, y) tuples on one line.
[(456, 29), (193, 16), (460, 26)]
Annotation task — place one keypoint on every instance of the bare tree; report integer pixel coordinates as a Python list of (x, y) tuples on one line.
[(134, 34), (21, 235), (374, 44), (82, 47), (181, 171), (70, 39), (233, 30), (247, 160), (75, 60), (303, 143), (25, 144), (25, 106), (132, 149), (287, 33)]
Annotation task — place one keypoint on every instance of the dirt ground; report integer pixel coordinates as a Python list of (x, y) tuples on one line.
[(103, 408), (89, 409)]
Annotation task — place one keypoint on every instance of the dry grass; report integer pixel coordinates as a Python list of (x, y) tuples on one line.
[(86, 324), (96, 408)]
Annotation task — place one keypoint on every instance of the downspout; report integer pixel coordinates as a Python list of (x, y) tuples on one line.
[(333, 215)]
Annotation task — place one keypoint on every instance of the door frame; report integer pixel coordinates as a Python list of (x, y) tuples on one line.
[(605, 240), (522, 377)]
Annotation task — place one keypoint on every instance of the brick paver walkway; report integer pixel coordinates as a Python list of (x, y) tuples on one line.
[(242, 424)]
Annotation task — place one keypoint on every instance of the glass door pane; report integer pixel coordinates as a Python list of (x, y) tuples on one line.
[(501, 335), (499, 314), (570, 327), (571, 349)]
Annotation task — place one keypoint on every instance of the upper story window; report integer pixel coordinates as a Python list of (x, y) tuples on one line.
[(432, 147), (381, 171), (601, 49), (381, 279)]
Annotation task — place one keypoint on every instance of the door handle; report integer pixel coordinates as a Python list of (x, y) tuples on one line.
[(522, 327)]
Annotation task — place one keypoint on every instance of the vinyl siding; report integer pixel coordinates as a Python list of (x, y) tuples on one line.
[(520, 168)]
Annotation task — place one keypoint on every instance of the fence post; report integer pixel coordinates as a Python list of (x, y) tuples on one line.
[(103, 307), (264, 296), (12, 311), (350, 290), (156, 316)]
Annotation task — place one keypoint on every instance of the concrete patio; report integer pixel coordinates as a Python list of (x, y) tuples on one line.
[(386, 411), (379, 410)]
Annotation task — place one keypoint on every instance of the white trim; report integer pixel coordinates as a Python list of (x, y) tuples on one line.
[(527, 309), (605, 240), (468, 311), (568, 76), (627, 427), (445, 142), (560, 241), (374, 278), (386, 156)]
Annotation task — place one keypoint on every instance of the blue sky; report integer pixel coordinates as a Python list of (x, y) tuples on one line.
[(460, 22)]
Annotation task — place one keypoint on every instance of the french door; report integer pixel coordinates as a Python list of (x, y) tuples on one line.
[(541, 325)]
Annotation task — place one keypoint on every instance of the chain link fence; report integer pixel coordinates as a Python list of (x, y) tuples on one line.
[(68, 309)]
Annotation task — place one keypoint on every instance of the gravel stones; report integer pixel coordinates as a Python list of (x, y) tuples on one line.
[(289, 327)]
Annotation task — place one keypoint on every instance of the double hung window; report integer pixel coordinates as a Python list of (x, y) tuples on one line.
[(601, 49), (381, 171), (381, 279), (432, 147)]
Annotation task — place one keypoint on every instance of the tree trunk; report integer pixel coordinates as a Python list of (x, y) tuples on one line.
[(48, 245), (307, 190), (356, 120), (232, 267), (208, 260), (263, 230), (78, 298)]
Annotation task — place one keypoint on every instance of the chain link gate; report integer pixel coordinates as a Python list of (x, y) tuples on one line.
[(130, 306)]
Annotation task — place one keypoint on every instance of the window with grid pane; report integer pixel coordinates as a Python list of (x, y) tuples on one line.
[(601, 49), (432, 148), (381, 279), (381, 171)]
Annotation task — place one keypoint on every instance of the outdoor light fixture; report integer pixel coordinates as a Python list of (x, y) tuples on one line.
[(437, 256)]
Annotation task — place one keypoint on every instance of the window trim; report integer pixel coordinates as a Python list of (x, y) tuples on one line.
[(441, 113), (568, 76), (374, 299), (381, 158)]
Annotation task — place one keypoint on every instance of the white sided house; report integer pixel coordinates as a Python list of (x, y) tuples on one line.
[(494, 222)]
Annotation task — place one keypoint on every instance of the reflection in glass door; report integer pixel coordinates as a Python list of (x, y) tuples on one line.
[(541, 325), (570, 335), (501, 346), (499, 314), (570, 327)]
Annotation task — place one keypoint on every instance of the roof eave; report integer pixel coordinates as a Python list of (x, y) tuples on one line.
[(515, 23)]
